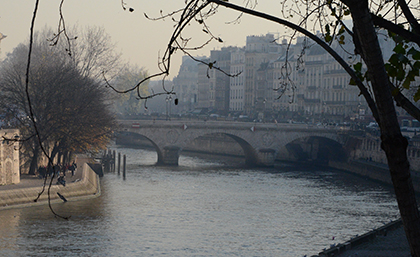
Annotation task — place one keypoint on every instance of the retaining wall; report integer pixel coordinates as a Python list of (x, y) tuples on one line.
[(87, 187)]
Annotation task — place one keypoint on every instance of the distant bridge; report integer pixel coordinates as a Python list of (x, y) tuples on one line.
[(261, 142)]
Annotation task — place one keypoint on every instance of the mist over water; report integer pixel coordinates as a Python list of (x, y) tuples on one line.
[(205, 207)]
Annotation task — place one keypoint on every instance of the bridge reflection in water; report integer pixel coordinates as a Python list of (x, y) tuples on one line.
[(261, 143)]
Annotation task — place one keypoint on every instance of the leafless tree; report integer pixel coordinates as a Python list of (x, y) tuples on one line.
[(129, 104), (60, 110)]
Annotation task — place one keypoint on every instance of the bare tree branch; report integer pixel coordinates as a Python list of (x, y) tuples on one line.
[(343, 63)]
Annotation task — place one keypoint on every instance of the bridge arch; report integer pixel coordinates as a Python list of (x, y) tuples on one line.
[(319, 149), (136, 139), (250, 153)]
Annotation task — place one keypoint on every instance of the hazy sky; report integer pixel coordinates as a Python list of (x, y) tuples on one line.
[(139, 40)]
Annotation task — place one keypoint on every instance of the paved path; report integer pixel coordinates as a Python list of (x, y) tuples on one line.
[(27, 181), (388, 241), (394, 244), (25, 192)]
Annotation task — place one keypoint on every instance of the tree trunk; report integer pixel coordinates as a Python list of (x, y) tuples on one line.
[(393, 143), (34, 161), (54, 152)]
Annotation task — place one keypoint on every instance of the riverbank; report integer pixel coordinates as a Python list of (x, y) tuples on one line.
[(386, 241), (83, 185)]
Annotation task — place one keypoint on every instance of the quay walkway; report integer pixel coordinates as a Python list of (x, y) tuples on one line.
[(83, 185), (386, 241)]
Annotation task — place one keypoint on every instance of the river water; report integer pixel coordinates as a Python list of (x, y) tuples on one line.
[(204, 207)]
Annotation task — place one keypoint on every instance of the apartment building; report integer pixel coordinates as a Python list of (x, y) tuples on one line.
[(237, 81), (186, 85), (271, 80), (258, 50)]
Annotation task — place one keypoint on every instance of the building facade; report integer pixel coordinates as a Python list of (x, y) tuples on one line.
[(258, 50), (282, 81), (186, 85), (203, 84), (237, 81), (220, 79)]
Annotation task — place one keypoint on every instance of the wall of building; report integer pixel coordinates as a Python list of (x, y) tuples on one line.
[(186, 85), (9, 157), (302, 83)]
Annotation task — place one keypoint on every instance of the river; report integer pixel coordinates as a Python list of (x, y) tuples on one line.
[(205, 207)]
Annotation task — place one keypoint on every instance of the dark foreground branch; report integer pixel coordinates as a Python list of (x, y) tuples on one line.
[(324, 45)]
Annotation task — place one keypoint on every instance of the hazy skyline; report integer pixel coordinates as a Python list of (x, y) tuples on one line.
[(141, 41)]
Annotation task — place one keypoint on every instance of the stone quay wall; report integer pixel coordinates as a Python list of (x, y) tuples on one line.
[(9, 157), (85, 188)]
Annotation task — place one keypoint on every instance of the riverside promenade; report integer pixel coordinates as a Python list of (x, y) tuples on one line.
[(83, 185), (386, 241)]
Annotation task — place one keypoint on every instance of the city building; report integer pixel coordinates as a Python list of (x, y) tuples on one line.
[(258, 50), (271, 81), (237, 81), (220, 78), (205, 97), (185, 85)]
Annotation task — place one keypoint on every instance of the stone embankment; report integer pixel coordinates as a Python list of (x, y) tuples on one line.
[(386, 241), (84, 185)]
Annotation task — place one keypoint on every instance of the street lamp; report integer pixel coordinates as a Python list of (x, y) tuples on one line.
[(167, 101), (255, 109), (168, 107), (264, 102), (170, 99)]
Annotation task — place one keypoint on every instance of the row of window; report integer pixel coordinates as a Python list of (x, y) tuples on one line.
[(236, 106)]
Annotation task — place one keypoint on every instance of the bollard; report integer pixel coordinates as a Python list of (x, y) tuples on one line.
[(113, 161), (119, 163), (124, 161), (105, 161)]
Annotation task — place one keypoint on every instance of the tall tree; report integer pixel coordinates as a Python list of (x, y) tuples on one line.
[(393, 143), (69, 108)]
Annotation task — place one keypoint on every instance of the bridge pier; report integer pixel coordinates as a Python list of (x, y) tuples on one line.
[(266, 157), (170, 156)]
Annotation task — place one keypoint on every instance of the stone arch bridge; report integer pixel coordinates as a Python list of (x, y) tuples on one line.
[(261, 142)]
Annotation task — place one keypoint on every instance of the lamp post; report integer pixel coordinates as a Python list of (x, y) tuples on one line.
[(264, 102), (168, 100), (255, 109)]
